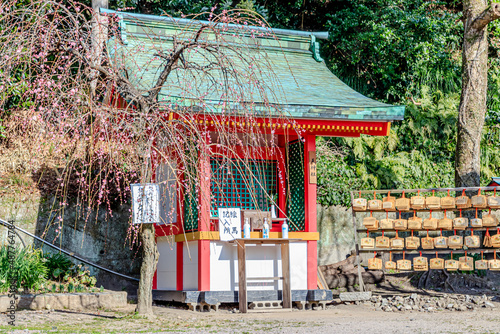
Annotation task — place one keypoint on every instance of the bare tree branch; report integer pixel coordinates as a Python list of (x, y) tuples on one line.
[(171, 62), (490, 14)]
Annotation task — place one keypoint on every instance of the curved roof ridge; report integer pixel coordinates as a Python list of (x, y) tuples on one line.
[(181, 21)]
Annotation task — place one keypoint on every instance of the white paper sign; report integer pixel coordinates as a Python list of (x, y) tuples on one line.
[(145, 203), (229, 223)]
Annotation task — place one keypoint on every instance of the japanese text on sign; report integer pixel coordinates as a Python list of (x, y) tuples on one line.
[(313, 179), (229, 223), (145, 203)]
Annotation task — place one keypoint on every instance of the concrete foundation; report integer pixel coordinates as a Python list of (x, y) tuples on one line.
[(214, 297)]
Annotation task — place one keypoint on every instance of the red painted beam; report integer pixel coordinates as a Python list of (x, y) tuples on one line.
[(333, 128), (312, 265), (262, 153), (166, 229), (203, 265), (280, 125)]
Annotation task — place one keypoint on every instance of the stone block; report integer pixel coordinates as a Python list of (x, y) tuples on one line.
[(355, 296), (89, 301), (25, 301), (57, 301), (75, 301), (5, 303), (203, 307), (112, 300), (37, 303)]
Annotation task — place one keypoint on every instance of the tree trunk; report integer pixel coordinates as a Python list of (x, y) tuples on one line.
[(149, 260), (472, 108), (99, 36)]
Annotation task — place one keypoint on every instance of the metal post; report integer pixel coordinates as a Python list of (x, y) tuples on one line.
[(360, 277)]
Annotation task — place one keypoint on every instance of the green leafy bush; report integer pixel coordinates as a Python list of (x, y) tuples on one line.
[(28, 268), (31, 269), (389, 49), (335, 176), (57, 264), (418, 153), (78, 274)]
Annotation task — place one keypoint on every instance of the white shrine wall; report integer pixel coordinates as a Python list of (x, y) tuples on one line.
[(262, 261)]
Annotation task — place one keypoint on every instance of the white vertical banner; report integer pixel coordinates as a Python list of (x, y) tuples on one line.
[(229, 223), (145, 203)]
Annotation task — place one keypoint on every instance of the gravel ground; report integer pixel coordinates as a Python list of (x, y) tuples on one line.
[(335, 319)]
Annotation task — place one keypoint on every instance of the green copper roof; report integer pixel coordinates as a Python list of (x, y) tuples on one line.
[(294, 77)]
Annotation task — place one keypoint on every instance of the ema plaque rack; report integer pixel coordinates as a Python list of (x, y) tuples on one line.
[(389, 213)]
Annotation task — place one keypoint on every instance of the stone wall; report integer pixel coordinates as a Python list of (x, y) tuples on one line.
[(94, 236), (336, 234), (23, 209)]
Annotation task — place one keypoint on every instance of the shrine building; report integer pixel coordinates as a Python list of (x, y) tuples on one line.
[(195, 266)]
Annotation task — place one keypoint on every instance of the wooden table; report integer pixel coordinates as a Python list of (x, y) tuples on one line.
[(285, 269)]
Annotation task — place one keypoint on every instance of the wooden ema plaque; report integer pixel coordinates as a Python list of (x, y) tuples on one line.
[(436, 263), (466, 263), (256, 218), (420, 264)]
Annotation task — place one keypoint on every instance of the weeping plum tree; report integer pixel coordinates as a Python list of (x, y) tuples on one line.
[(61, 91), (472, 110)]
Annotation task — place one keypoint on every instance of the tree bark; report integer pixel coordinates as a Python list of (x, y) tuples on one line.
[(490, 14), (472, 109), (149, 261), (99, 36)]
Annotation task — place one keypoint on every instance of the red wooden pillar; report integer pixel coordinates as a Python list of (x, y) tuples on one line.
[(180, 266), (310, 215), (204, 217), (154, 165), (281, 179), (155, 276)]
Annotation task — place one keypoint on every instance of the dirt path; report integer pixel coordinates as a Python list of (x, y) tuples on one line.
[(336, 319)]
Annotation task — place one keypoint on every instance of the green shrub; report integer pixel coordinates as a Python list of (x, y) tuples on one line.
[(57, 264), (32, 268), (28, 268)]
